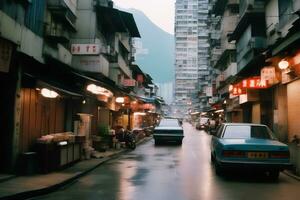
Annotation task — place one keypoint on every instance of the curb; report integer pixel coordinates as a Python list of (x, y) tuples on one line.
[(7, 178), (52, 188), (47, 190)]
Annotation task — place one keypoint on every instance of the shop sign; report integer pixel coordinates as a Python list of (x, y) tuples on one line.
[(269, 74), (85, 49), (237, 90), (252, 95), (5, 55), (254, 83), (129, 82)]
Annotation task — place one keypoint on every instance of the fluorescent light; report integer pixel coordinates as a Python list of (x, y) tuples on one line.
[(99, 90), (120, 99), (49, 93), (62, 143), (218, 111), (139, 113)]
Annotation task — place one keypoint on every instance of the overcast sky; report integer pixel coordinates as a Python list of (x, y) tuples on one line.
[(161, 12)]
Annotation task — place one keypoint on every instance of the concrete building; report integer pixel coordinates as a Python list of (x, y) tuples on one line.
[(60, 74), (192, 71), (224, 18)]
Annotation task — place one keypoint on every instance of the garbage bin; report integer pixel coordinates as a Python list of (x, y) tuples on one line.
[(28, 163)]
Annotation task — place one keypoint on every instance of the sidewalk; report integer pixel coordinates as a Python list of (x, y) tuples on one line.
[(24, 187)]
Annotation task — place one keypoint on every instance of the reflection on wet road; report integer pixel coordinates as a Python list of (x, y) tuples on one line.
[(173, 172)]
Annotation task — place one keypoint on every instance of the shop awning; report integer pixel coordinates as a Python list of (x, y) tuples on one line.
[(110, 19), (130, 24)]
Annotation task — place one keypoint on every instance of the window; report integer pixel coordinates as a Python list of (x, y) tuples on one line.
[(285, 11), (219, 131), (247, 132)]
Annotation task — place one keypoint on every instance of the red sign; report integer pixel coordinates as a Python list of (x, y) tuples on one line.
[(129, 82), (254, 83), (238, 90)]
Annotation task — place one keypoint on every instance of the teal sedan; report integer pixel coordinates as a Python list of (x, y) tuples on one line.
[(250, 147)]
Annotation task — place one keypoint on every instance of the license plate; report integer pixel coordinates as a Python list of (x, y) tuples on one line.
[(257, 155)]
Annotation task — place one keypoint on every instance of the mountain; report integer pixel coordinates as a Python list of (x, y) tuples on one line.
[(158, 57)]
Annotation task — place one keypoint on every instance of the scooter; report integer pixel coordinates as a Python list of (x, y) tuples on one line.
[(130, 141), (127, 137)]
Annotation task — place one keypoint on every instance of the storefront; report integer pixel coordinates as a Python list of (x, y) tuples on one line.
[(8, 83)]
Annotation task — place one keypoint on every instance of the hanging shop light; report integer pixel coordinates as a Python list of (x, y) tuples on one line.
[(120, 100), (99, 90), (139, 113), (49, 93), (283, 64)]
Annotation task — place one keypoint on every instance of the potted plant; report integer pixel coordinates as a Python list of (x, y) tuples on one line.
[(102, 131)]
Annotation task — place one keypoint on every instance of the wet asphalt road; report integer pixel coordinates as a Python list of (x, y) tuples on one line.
[(173, 172)]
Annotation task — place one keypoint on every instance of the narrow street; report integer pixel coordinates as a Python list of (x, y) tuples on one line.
[(173, 172)]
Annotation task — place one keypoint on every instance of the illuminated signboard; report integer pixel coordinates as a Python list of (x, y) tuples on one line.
[(250, 83), (254, 83)]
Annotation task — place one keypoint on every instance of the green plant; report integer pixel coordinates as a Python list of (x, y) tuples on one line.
[(103, 130)]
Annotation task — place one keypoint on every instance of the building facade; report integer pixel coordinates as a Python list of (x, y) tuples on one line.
[(264, 88), (66, 66)]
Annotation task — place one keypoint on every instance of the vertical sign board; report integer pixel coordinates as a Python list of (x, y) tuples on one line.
[(5, 55), (269, 74)]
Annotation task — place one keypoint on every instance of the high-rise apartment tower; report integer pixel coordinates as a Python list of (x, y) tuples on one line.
[(192, 71)]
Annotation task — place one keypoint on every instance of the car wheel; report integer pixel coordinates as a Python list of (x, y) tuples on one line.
[(273, 175)]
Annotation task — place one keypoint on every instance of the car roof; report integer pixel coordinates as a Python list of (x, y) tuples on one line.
[(240, 124)]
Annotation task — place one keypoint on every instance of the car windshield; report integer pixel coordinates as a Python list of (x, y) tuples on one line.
[(169, 123), (247, 132)]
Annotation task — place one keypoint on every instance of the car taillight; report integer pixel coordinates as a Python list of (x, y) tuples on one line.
[(234, 154), (284, 154)]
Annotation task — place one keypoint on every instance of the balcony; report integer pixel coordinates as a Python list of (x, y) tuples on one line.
[(55, 33), (252, 13), (64, 11), (120, 63)]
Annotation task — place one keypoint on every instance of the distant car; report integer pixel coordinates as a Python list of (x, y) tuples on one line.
[(202, 124), (248, 146), (168, 130)]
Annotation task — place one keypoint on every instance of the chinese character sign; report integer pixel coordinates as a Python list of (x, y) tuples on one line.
[(238, 90), (254, 83), (85, 49)]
